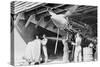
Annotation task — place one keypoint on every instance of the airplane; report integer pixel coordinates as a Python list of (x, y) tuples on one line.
[(61, 23)]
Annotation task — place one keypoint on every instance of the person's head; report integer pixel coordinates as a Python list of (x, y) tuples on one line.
[(44, 35), (90, 45), (37, 37), (77, 34)]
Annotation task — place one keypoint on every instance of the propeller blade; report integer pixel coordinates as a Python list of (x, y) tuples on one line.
[(57, 41), (71, 10)]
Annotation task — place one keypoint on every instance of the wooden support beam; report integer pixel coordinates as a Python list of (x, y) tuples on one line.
[(93, 9), (83, 9), (51, 9), (16, 3), (25, 6), (78, 10), (58, 6), (28, 6)]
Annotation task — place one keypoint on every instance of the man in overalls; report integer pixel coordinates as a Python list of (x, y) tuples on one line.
[(44, 47), (77, 53), (65, 49)]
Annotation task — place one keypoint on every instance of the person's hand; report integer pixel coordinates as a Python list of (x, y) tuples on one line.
[(73, 43)]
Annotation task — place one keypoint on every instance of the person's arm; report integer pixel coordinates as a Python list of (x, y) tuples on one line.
[(63, 41), (46, 41), (73, 43)]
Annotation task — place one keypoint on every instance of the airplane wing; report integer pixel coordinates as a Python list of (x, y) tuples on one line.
[(49, 25)]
